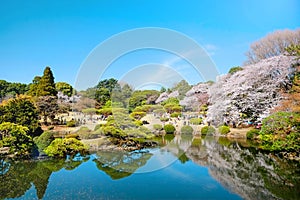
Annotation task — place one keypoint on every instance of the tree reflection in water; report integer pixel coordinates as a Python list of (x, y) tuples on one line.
[(120, 164), (18, 176), (246, 171)]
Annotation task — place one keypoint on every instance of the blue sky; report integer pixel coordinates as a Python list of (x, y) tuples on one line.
[(61, 34)]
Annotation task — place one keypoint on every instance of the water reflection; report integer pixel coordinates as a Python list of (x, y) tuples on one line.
[(18, 177), (246, 171), (239, 168), (118, 164)]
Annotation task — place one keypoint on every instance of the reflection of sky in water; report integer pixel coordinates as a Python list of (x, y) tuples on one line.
[(176, 181)]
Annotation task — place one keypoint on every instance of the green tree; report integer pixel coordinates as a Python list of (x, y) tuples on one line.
[(21, 111), (16, 138), (65, 88), (43, 86), (8, 89), (47, 107), (183, 87), (234, 69)]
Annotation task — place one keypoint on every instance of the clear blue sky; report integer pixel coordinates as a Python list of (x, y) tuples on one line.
[(60, 34)]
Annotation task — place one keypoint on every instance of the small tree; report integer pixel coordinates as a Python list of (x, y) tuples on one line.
[(47, 107)]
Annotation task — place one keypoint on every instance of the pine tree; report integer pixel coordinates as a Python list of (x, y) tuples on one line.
[(47, 84)]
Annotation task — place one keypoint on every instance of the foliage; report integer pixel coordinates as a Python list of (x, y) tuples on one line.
[(16, 138), (169, 128), (157, 127), (186, 130), (293, 50), (63, 147), (89, 111), (138, 115), (171, 108), (71, 123), (234, 69), (105, 111), (43, 86), (8, 89), (65, 88), (43, 140), (196, 121), (47, 107), (252, 133), (223, 130), (21, 111), (142, 97), (182, 87), (164, 119), (171, 100), (175, 114), (208, 130), (281, 131), (273, 44)]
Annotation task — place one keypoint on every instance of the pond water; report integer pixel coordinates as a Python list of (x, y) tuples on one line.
[(183, 167)]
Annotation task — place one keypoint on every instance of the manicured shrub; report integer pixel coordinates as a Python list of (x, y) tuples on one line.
[(63, 147), (223, 130), (138, 115), (252, 133), (208, 130), (157, 127), (71, 123), (44, 140), (169, 128), (164, 119), (175, 114), (196, 121), (187, 130)]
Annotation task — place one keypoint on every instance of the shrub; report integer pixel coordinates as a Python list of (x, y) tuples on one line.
[(71, 123), (157, 127), (44, 140), (138, 115), (208, 130), (224, 130), (73, 135), (196, 121), (138, 122), (281, 131), (63, 147), (175, 114), (169, 128), (252, 133), (164, 119), (187, 130)]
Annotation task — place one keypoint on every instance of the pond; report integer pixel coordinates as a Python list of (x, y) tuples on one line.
[(184, 167)]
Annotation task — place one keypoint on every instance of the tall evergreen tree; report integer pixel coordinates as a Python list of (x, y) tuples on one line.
[(43, 86), (47, 84)]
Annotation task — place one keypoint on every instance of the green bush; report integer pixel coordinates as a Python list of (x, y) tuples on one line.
[(63, 147), (157, 127), (208, 130), (223, 130), (252, 133), (196, 121), (175, 114), (187, 130), (43, 140), (73, 135), (138, 115), (281, 131), (164, 119), (169, 128), (71, 123)]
